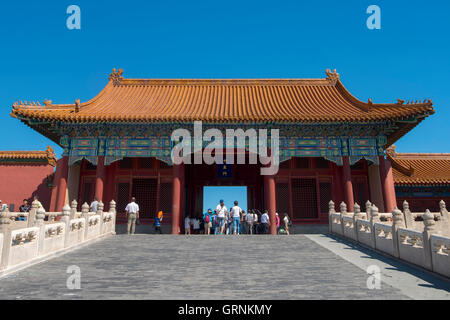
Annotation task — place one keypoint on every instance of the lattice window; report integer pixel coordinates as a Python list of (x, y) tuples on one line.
[(123, 196), (144, 190), (301, 163), (86, 193), (326, 195), (282, 197), (126, 163), (304, 198), (146, 163), (165, 197), (360, 188), (322, 163)]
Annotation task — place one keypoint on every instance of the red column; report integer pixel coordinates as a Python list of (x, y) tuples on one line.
[(100, 178), (109, 185), (269, 193), (176, 197), (62, 184), (348, 187), (387, 184)]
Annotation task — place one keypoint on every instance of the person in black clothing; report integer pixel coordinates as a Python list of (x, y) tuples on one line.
[(25, 207)]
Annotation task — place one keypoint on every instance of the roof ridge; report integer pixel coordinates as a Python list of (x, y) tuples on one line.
[(48, 154)]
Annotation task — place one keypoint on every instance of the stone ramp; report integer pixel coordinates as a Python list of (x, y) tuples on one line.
[(198, 267)]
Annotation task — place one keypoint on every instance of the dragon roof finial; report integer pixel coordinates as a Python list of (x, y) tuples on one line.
[(333, 77), (116, 76)]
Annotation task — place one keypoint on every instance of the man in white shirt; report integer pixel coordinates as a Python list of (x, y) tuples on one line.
[(196, 225), (132, 210), (94, 205), (236, 217), (265, 222), (255, 222), (220, 211)]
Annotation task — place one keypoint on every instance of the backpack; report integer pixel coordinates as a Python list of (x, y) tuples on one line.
[(207, 219)]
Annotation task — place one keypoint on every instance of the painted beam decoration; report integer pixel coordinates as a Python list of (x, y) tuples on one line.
[(117, 141)]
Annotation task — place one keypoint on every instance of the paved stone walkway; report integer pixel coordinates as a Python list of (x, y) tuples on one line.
[(198, 267)]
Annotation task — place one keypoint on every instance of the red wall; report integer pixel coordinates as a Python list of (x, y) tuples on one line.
[(23, 181)]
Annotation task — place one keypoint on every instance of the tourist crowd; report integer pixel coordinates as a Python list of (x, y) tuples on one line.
[(220, 221), (234, 221)]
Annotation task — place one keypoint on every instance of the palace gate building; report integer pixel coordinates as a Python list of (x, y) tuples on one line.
[(118, 145)]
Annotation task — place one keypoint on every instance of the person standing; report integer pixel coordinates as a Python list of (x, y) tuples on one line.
[(242, 225), (207, 221), (265, 222), (287, 223), (158, 220), (3, 206), (187, 225), (94, 205), (39, 204), (235, 213), (278, 222), (221, 211), (249, 218), (227, 223), (196, 225), (255, 222), (25, 208), (132, 210)]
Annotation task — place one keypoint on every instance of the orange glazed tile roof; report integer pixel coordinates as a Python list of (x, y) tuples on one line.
[(29, 156), (420, 168), (227, 100)]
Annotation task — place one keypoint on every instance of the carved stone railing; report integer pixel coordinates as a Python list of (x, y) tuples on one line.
[(427, 246), (440, 254), (25, 242)]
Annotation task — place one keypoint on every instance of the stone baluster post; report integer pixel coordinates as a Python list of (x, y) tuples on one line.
[(428, 221), (397, 222), (100, 208), (112, 209), (39, 222), (343, 209), (52, 216), (443, 211), (32, 214), (356, 216), (85, 215), (330, 219), (368, 205), (374, 218), (12, 215), (65, 218), (5, 229), (73, 209), (407, 215)]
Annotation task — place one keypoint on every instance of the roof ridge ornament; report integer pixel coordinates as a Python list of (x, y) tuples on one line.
[(390, 151), (116, 76), (77, 105), (333, 77), (47, 102)]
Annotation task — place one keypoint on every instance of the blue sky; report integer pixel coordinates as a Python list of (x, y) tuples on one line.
[(408, 58), (212, 196)]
